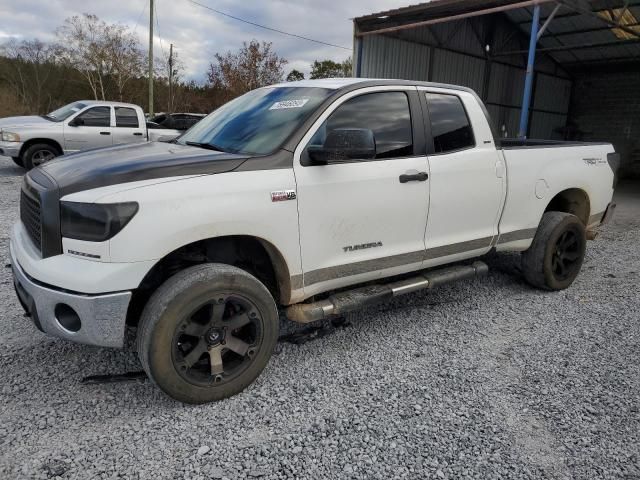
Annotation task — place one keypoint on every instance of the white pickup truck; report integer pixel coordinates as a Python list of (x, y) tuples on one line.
[(87, 124), (318, 197)]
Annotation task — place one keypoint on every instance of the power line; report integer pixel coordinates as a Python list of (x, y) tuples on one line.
[(267, 28), (144, 7), (155, 11)]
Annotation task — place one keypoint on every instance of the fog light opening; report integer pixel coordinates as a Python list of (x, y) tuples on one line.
[(67, 317)]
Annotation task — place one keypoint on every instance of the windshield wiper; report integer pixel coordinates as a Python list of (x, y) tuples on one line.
[(208, 146)]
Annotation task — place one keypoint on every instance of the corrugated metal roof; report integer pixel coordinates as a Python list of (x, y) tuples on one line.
[(574, 37), (592, 39), (435, 8)]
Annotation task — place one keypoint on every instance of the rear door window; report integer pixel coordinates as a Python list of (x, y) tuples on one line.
[(126, 117), (450, 125)]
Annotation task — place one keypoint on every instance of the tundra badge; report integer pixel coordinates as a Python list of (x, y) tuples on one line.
[(362, 246)]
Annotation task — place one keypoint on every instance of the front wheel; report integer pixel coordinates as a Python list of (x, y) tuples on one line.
[(37, 154), (555, 257), (207, 333)]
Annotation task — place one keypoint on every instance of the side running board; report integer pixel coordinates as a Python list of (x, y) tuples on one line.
[(344, 302)]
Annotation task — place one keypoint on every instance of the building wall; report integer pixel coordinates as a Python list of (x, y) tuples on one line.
[(606, 107), (454, 53)]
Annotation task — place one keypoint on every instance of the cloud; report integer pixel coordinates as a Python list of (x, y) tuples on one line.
[(197, 33)]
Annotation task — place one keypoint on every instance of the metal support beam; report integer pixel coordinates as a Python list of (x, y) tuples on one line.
[(584, 46), (547, 22), (462, 16), (528, 83), (583, 30)]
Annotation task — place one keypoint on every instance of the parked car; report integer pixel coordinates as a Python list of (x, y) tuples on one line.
[(175, 121), (317, 197), (82, 125)]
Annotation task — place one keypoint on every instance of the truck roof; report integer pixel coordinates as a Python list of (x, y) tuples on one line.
[(342, 83), (106, 102)]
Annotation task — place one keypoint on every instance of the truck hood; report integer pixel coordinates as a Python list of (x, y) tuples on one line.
[(27, 121), (130, 163)]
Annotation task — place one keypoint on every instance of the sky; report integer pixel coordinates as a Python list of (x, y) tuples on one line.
[(198, 33)]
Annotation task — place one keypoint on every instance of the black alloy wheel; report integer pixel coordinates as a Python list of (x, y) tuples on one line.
[(567, 257), (218, 340)]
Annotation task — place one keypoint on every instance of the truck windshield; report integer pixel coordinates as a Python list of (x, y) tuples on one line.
[(258, 122), (64, 112)]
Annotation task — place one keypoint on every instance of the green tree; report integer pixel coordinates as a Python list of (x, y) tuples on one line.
[(295, 75), (330, 69)]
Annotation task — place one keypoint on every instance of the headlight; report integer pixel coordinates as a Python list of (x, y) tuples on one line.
[(10, 137), (94, 222)]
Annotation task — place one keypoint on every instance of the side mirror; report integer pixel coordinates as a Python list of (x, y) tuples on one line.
[(166, 138), (77, 122), (344, 144)]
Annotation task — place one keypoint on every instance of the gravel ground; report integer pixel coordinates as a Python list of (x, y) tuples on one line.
[(483, 379)]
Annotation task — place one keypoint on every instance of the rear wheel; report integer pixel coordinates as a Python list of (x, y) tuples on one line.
[(555, 257), (37, 154), (207, 333)]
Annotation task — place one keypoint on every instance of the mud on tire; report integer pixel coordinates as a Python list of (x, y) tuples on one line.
[(207, 333)]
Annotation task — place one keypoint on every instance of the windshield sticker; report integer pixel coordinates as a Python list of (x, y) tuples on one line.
[(289, 104)]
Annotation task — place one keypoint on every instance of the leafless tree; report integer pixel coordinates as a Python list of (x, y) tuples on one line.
[(102, 52)]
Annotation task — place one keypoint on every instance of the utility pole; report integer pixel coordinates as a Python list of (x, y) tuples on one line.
[(170, 78), (150, 58)]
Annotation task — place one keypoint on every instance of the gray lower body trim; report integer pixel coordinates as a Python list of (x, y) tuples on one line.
[(516, 235), (296, 282), (102, 316), (366, 266), (455, 248)]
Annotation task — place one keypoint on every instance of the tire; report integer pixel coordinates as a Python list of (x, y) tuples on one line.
[(18, 161), (555, 257), (207, 333), (37, 154)]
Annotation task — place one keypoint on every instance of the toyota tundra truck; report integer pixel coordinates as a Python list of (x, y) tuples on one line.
[(308, 199)]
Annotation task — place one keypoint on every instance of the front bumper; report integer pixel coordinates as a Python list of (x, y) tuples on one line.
[(99, 319), (10, 149)]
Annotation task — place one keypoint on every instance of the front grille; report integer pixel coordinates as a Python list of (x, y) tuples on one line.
[(31, 219)]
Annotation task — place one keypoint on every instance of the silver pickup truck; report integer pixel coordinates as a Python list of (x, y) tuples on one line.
[(82, 125)]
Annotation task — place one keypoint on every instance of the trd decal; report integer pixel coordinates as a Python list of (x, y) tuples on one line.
[(283, 195), (362, 246)]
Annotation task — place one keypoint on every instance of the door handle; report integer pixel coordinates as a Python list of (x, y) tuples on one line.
[(414, 177), (137, 133), (105, 133)]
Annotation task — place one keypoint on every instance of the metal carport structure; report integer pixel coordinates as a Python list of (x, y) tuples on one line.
[(584, 83)]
